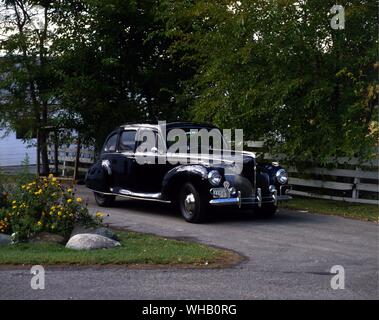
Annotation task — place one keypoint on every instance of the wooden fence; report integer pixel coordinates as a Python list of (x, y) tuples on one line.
[(68, 158), (351, 181)]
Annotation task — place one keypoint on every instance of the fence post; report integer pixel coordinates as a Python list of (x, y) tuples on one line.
[(56, 161), (355, 194), (38, 154), (77, 159)]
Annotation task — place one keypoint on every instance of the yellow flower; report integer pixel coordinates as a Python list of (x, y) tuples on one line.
[(79, 200), (59, 213), (14, 202), (51, 176), (69, 190), (54, 179), (99, 214), (69, 200), (39, 223)]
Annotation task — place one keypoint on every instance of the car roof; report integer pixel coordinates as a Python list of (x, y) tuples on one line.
[(169, 125)]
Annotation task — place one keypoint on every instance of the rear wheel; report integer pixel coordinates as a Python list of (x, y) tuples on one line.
[(104, 200), (267, 210), (192, 205)]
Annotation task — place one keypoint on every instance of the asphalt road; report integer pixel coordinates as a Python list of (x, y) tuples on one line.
[(287, 257)]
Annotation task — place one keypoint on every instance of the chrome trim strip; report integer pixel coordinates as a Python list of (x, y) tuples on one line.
[(224, 201), (275, 196), (242, 201), (259, 197), (140, 194), (132, 195)]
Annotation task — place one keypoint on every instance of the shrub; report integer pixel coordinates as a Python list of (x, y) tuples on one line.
[(43, 205), (3, 191)]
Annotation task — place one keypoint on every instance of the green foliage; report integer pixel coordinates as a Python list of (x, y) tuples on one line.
[(358, 211), (24, 176), (279, 71), (4, 189), (114, 66), (273, 68), (42, 205)]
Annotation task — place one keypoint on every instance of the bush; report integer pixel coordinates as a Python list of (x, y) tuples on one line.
[(3, 192), (43, 205)]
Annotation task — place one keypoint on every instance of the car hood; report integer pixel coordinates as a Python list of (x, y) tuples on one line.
[(224, 160)]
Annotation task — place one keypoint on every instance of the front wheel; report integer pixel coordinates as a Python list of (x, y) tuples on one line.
[(267, 210), (104, 200), (192, 206)]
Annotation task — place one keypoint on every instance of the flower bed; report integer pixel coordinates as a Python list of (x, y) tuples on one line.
[(42, 205)]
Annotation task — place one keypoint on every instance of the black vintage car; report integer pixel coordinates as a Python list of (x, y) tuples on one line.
[(194, 183)]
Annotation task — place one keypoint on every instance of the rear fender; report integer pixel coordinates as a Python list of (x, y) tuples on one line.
[(98, 177)]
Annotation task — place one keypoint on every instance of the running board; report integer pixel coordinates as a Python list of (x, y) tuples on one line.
[(135, 195)]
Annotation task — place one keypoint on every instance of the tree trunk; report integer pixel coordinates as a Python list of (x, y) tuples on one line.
[(44, 154)]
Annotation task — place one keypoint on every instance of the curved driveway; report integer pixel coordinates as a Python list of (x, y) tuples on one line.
[(288, 257)]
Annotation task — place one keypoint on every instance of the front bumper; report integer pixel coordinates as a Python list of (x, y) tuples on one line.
[(258, 200)]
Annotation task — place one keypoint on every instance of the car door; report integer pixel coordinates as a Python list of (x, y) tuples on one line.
[(123, 162), (149, 173)]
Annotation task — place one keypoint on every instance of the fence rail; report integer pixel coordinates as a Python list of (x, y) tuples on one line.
[(359, 184), (67, 158)]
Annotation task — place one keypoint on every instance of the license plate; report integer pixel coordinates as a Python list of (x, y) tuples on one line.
[(220, 193)]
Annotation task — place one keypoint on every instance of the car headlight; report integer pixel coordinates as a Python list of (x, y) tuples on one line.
[(214, 177), (281, 176)]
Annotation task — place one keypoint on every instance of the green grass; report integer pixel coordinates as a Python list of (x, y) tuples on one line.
[(136, 248), (364, 212)]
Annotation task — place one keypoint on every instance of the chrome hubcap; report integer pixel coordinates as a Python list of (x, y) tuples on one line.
[(190, 203)]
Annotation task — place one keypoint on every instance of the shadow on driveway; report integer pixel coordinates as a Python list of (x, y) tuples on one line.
[(215, 215)]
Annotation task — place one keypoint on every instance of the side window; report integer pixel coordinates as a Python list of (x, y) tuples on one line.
[(147, 140), (127, 140), (110, 145)]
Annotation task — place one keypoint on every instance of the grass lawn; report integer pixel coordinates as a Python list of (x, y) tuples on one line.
[(136, 248), (364, 212)]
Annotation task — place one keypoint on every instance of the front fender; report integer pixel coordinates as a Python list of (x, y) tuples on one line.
[(271, 170), (176, 177)]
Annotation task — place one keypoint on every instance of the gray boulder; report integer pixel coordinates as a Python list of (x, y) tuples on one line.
[(89, 241), (101, 231), (5, 239)]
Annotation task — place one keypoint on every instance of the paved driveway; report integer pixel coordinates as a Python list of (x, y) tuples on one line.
[(288, 257)]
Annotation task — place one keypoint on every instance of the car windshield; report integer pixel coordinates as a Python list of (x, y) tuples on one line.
[(197, 139)]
